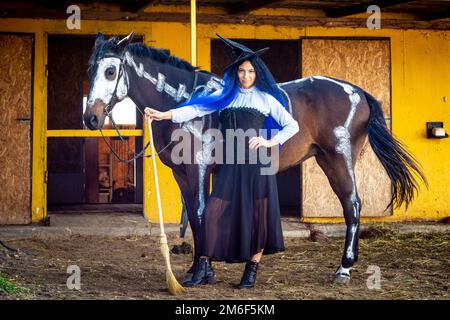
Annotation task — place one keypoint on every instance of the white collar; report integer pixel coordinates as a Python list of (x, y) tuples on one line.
[(249, 90)]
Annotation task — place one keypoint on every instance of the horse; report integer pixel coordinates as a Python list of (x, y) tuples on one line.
[(335, 118)]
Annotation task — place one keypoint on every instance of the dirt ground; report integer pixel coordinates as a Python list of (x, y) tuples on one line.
[(413, 266)]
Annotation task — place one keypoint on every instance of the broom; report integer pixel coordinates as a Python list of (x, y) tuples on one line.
[(172, 283)]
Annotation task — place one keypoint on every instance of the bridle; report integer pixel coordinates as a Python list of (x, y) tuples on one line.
[(107, 110)]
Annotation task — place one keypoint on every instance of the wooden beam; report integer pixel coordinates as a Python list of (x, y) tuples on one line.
[(137, 5), (436, 15), (93, 133), (244, 7), (57, 5), (34, 5), (361, 8), (229, 19)]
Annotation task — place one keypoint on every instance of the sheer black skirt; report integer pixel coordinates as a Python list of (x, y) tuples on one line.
[(242, 215)]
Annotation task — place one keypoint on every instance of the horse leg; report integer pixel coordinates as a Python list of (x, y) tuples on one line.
[(184, 218), (189, 200), (340, 173), (196, 184)]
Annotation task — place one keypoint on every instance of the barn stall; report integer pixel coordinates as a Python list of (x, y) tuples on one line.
[(50, 159), (403, 64)]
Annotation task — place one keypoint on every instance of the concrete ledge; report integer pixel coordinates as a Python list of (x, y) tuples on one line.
[(423, 228), (130, 224), (296, 233), (331, 230)]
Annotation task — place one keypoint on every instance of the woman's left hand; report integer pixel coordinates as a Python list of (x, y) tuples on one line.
[(256, 142)]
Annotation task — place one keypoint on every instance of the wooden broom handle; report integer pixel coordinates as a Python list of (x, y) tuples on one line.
[(155, 174)]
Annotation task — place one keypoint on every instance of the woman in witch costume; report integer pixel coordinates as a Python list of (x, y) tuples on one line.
[(242, 214)]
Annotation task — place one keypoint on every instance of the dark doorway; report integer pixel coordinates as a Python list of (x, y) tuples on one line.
[(82, 170), (283, 59)]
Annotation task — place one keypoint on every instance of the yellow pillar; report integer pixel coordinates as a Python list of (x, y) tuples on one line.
[(39, 165), (194, 32)]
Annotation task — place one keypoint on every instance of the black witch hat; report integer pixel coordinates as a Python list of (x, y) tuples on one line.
[(239, 52)]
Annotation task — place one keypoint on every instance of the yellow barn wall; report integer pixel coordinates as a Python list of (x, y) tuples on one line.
[(420, 77), (420, 81)]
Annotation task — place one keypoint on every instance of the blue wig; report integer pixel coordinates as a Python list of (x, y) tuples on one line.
[(264, 82)]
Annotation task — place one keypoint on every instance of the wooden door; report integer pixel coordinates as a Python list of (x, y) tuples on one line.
[(16, 52), (366, 63)]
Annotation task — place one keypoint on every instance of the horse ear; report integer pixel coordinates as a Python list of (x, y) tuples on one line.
[(122, 44), (100, 38)]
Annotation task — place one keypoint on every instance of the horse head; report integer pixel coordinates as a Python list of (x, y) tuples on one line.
[(108, 77)]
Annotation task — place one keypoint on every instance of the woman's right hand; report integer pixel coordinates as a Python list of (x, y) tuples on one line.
[(153, 114)]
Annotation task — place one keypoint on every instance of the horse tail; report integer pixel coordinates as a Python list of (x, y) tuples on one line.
[(401, 167)]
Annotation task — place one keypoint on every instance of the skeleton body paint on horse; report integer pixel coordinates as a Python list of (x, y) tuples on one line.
[(364, 113), (104, 89), (343, 147), (203, 155)]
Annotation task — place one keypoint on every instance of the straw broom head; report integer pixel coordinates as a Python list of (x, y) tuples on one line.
[(172, 284)]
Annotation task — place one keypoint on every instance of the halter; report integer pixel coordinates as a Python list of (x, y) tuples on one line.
[(107, 110)]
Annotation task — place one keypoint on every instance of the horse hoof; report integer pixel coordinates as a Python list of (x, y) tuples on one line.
[(341, 279)]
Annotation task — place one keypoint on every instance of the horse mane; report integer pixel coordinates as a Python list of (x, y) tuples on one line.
[(161, 55), (139, 49)]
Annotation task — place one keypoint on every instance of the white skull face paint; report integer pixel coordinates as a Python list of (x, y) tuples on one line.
[(105, 82)]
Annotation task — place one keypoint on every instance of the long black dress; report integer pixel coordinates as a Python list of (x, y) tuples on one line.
[(242, 214)]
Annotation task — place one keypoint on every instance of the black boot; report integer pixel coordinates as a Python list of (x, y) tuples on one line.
[(203, 274), (249, 277)]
